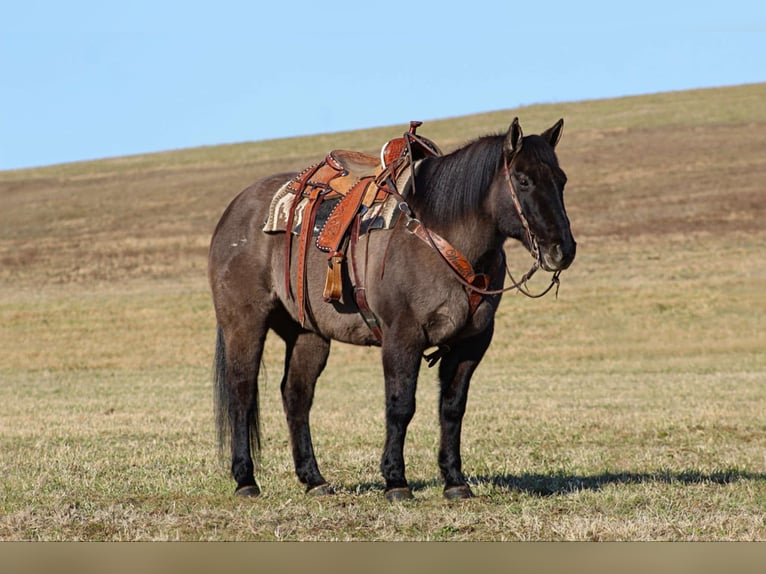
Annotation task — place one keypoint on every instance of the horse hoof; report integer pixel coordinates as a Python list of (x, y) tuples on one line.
[(320, 490), (398, 494), (460, 492), (248, 491)]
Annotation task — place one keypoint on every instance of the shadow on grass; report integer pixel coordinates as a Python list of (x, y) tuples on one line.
[(564, 483), (557, 483)]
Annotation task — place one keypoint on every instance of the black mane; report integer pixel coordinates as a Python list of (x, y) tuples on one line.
[(448, 187)]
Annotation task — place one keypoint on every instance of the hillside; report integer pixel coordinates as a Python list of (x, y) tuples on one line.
[(687, 162)]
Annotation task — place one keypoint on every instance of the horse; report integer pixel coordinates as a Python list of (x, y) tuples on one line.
[(500, 186)]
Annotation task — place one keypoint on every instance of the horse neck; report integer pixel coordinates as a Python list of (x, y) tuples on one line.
[(470, 228), (473, 235)]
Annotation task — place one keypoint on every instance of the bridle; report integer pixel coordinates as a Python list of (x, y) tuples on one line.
[(457, 263), (534, 247)]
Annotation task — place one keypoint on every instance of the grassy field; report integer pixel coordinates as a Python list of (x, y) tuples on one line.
[(633, 407)]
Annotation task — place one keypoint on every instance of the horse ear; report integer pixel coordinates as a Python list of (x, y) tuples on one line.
[(553, 134), (513, 139)]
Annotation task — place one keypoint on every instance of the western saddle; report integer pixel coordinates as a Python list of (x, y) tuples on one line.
[(355, 181)]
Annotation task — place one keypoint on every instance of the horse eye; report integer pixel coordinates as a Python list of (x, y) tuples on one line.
[(523, 181)]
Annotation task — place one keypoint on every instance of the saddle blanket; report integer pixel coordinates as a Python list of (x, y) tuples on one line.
[(381, 215)]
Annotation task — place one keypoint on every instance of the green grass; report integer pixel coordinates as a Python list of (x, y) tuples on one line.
[(642, 457), (630, 408)]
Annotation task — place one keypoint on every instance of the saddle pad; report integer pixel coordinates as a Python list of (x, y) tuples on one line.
[(380, 215)]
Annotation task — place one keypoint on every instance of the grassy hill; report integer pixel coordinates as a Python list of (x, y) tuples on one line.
[(661, 156), (630, 408)]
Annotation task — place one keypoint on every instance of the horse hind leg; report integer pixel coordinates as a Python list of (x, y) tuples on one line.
[(305, 359), (238, 355)]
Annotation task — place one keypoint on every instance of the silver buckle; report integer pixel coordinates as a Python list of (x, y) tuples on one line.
[(412, 224)]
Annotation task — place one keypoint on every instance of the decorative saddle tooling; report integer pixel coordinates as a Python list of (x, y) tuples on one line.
[(349, 193)]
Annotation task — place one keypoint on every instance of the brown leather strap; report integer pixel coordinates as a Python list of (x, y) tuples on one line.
[(454, 258), (360, 293), (298, 184), (307, 228), (333, 285)]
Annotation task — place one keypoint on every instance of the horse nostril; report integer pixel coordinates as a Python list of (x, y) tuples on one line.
[(559, 256)]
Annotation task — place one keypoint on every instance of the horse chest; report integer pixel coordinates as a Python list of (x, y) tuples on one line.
[(454, 322)]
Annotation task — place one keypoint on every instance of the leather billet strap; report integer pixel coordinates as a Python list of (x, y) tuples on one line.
[(303, 246), (297, 185), (360, 283)]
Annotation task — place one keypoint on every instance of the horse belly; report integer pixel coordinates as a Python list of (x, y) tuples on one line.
[(336, 320)]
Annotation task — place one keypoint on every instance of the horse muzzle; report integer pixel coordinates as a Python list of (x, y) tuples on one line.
[(558, 256)]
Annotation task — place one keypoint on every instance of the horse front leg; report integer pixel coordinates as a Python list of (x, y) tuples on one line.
[(455, 372), (400, 369)]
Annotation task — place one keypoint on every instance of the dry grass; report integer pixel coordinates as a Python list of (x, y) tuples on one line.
[(631, 408)]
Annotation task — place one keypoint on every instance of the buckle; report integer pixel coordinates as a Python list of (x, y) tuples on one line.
[(412, 225)]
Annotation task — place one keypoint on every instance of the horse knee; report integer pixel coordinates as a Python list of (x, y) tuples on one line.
[(400, 409), (452, 411)]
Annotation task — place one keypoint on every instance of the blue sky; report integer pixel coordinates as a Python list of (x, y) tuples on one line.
[(91, 79)]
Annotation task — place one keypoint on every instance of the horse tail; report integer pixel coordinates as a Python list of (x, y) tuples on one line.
[(222, 402), (221, 394)]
